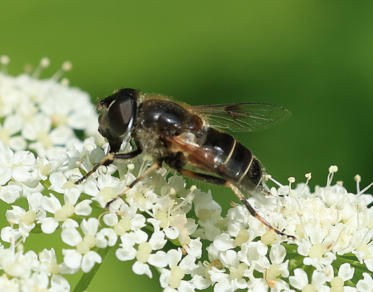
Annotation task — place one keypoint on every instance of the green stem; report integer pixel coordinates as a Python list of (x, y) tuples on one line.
[(86, 279), (355, 263)]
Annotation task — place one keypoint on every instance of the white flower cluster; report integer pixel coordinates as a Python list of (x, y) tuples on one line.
[(164, 227), (334, 235), (26, 271), (42, 115)]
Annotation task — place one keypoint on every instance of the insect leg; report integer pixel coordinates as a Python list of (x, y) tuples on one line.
[(155, 166), (108, 159), (203, 177), (252, 211), (237, 192)]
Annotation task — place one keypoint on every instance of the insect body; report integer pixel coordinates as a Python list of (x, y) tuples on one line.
[(187, 138)]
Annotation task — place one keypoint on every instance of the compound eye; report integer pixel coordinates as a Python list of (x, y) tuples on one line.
[(120, 115)]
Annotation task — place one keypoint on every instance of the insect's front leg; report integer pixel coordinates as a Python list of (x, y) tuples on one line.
[(108, 159), (175, 162), (152, 168)]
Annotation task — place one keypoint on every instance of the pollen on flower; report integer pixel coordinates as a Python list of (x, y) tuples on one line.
[(299, 229), (28, 218), (242, 237), (333, 169), (162, 217), (309, 288), (143, 252), (45, 169), (269, 237), (337, 284), (272, 274), (53, 267), (64, 212), (122, 226), (177, 274), (364, 250), (193, 188), (317, 250), (107, 194), (236, 273), (88, 242), (68, 185)]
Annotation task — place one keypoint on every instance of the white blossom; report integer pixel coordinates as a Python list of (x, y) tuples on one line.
[(161, 223), (82, 256)]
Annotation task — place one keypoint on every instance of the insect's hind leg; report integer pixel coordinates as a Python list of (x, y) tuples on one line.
[(109, 159), (221, 181), (203, 177), (252, 211)]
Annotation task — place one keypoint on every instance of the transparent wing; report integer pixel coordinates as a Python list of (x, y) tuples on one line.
[(243, 117)]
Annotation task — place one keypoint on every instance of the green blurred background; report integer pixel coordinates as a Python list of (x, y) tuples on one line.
[(313, 57)]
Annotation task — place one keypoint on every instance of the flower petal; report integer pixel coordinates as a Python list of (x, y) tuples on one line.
[(126, 254), (223, 242), (159, 259), (71, 236), (346, 272), (48, 225), (89, 260), (72, 258), (141, 269)]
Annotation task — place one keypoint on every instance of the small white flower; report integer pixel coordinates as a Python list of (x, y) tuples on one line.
[(173, 277), (10, 193), (59, 284), (276, 268), (18, 166), (104, 189), (345, 273), (144, 253), (242, 226), (223, 242), (300, 280), (11, 126), (82, 257), (61, 212), (209, 215), (24, 219), (28, 271)]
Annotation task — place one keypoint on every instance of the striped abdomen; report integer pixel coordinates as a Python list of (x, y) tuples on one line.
[(231, 160)]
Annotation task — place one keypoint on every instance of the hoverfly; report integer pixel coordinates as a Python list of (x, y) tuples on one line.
[(187, 138)]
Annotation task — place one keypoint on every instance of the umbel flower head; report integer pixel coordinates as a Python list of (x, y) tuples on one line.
[(166, 228)]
